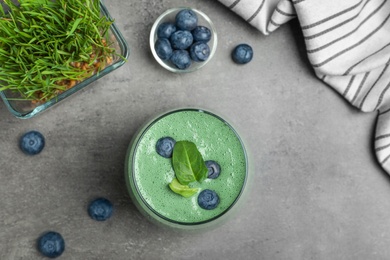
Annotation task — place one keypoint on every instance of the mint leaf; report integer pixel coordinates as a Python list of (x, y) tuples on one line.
[(188, 163), (183, 190)]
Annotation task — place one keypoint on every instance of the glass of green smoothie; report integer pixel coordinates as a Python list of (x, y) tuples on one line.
[(151, 178)]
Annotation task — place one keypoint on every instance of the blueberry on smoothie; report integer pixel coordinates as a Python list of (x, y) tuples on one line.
[(51, 244), (242, 53), (164, 146), (208, 199), (181, 40), (163, 48), (165, 30), (201, 34), (199, 51), (214, 169), (100, 209), (181, 59), (186, 19), (32, 142)]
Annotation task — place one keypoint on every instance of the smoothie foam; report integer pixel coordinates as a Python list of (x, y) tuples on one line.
[(215, 140)]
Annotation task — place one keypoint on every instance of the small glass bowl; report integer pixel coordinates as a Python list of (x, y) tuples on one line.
[(26, 108), (169, 16)]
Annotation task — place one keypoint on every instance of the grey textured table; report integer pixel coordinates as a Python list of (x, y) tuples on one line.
[(317, 190)]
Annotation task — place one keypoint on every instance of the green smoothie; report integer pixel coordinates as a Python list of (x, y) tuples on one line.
[(148, 174)]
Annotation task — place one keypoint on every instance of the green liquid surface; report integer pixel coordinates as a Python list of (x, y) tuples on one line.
[(215, 140)]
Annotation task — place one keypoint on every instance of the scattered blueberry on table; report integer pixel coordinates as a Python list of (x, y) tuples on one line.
[(164, 146), (32, 142), (51, 244), (100, 209), (208, 199), (242, 53), (214, 169)]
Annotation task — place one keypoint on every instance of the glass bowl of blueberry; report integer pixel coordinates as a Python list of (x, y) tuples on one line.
[(183, 39)]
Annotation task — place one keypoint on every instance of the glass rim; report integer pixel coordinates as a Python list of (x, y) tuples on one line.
[(139, 137)]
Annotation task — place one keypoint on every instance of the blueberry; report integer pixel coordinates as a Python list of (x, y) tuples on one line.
[(214, 169), (201, 34), (199, 51), (242, 53), (51, 244), (163, 49), (208, 199), (186, 19), (32, 142), (181, 40), (100, 209), (164, 146), (181, 59), (165, 30)]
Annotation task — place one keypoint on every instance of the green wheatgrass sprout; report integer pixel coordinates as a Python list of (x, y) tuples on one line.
[(47, 46)]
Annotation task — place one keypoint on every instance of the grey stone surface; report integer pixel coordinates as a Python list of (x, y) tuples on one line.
[(317, 190)]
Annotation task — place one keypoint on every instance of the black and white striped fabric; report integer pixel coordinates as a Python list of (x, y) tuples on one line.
[(348, 45)]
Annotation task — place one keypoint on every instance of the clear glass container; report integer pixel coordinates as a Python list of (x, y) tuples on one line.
[(169, 16), (148, 174), (26, 109)]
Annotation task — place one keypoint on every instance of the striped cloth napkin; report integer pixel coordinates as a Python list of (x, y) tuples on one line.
[(348, 45)]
